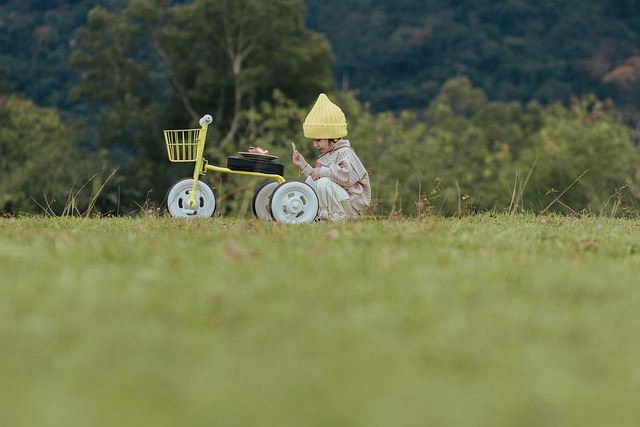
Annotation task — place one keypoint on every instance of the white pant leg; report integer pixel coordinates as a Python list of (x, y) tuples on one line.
[(334, 200)]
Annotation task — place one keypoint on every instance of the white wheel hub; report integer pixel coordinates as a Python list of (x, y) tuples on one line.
[(295, 204)]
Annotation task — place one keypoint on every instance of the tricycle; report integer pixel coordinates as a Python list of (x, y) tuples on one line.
[(289, 202)]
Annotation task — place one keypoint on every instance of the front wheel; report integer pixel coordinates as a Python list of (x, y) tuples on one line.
[(178, 200), (294, 202)]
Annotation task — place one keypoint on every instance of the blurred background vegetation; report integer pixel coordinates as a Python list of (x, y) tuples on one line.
[(454, 107)]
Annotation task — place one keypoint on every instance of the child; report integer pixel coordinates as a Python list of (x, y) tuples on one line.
[(339, 178)]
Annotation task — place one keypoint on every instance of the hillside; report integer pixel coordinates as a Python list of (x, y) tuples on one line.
[(398, 53), (395, 54)]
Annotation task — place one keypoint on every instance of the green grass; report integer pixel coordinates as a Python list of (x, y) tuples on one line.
[(484, 321)]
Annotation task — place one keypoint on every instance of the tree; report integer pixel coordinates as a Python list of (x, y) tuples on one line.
[(40, 163)]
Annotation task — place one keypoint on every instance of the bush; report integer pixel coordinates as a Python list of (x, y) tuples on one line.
[(465, 153), (40, 163), (585, 142)]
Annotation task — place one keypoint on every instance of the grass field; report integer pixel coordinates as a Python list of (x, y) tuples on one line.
[(483, 321)]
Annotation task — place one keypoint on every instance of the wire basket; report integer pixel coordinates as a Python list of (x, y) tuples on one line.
[(182, 144)]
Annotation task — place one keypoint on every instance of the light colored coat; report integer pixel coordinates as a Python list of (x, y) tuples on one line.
[(343, 166)]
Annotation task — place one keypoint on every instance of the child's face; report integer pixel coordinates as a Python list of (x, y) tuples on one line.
[(323, 145)]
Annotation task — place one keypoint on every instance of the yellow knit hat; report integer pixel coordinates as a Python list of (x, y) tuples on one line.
[(325, 120)]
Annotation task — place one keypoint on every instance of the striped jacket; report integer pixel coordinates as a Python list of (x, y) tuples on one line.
[(342, 166)]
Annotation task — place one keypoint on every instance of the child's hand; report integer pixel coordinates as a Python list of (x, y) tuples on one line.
[(298, 160)]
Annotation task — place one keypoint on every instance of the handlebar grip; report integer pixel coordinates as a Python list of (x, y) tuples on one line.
[(207, 118)]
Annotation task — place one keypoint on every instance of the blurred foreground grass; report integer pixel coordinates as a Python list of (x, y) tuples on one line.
[(484, 321)]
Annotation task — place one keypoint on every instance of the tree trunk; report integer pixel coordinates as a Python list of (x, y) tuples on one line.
[(236, 66)]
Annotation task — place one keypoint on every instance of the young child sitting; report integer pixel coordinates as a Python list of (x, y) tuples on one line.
[(339, 177)]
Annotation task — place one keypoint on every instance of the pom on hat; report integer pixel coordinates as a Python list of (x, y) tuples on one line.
[(325, 120)]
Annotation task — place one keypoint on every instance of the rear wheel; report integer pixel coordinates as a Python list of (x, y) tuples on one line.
[(260, 204), (178, 200), (294, 202)]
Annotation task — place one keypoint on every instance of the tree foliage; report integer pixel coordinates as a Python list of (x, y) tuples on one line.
[(40, 163), (36, 38), (585, 142)]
